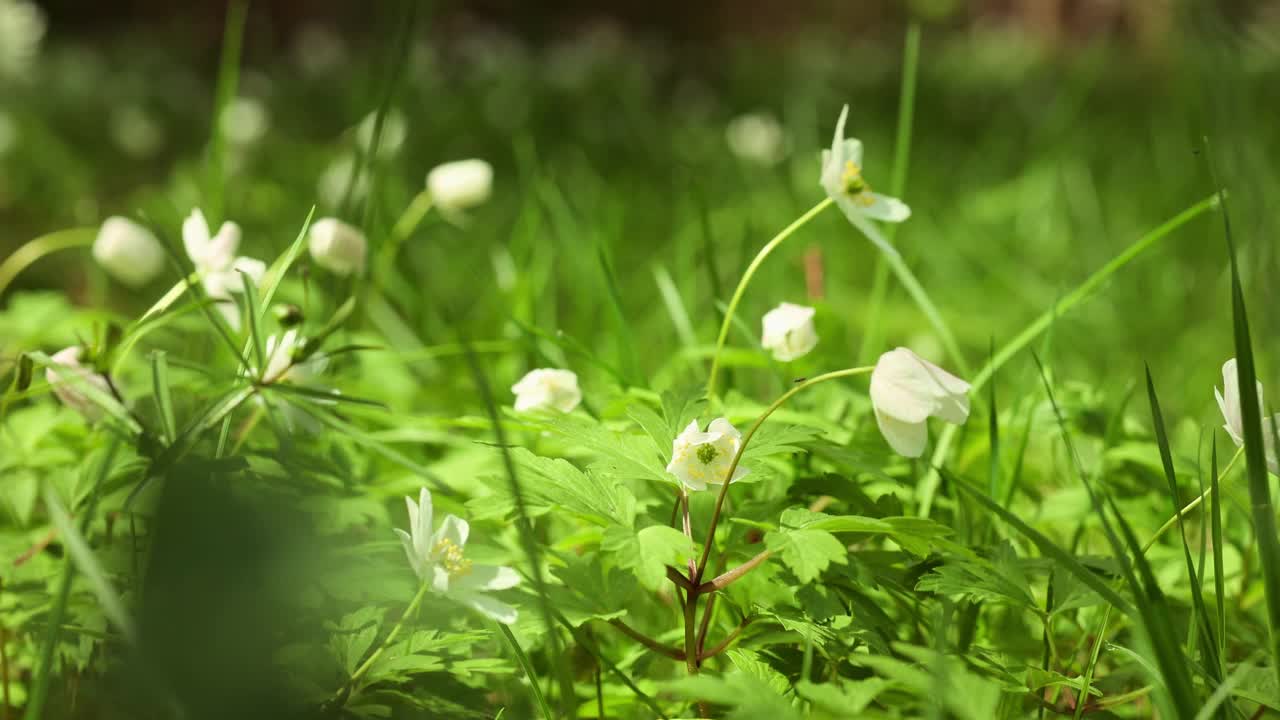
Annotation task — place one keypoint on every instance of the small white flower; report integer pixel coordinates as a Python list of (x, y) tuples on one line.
[(245, 120), (699, 458), (280, 350), (437, 558), (22, 27), (337, 246), (756, 137), (460, 184), (788, 332), (907, 390), (842, 179), (547, 388), (68, 360), (216, 260), (128, 251), (1229, 404)]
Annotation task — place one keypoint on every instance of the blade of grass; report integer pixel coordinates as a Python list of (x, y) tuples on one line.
[(626, 345), (163, 398), (929, 485), (1086, 678), (591, 647), (228, 79), (527, 667), (399, 59), (257, 345), (1215, 519), (675, 306)]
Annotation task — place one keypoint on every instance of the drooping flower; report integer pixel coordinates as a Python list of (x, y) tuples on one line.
[(756, 137), (547, 388), (788, 332), (128, 251), (216, 261), (460, 184), (701, 458), (438, 558), (1229, 404), (337, 246), (843, 181), (907, 390), (68, 361)]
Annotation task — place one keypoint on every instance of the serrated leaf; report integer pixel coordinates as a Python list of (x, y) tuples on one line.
[(618, 455), (807, 552), (556, 483), (648, 552)]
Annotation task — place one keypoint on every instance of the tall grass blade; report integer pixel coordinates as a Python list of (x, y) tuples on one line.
[(228, 79), (1215, 530), (527, 667), (163, 396)]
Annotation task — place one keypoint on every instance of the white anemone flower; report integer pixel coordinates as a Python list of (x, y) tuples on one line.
[(906, 390), (437, 558), (788, 332), (460, 184), (843, 181), (701, 458), (336, 246), (216, 261), (1229, 404), (756, 137), (68, 361), (547, 388), (128, 251)]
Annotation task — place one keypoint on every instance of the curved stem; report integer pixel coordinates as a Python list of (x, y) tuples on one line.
[(527, 666), (737, 458), (1191, 505), (386, 642), (723, 581), (647, 641), (724, 644), (25, 256), (739, 291)]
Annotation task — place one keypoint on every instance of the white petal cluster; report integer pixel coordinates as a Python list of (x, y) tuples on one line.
[(701, 458), (64, 387), (547, 388), (129, 252), (788, 332), (460, 184), (756, 137), (843, 182), (336, 246), (215, 259), (439, 558), (907, 390), (1229, 404)]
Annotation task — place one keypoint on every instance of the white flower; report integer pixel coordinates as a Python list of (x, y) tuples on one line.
[(699, 458), (788, 332), (337, 246), (756, 137), (1229, 404), (437, 558), (128, 251), (280, 350), (460, 184), (216, 261), (245, 120), (842, 179), (65, 388), (906, 390), (22, 26), (547, 388)]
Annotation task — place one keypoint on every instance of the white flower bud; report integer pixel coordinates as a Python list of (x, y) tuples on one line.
[(461, 184), (756, 137), (65, 388), (547, 388), (128, 251), (788, 332), (907, 390), (337, 246), (1229, 404)]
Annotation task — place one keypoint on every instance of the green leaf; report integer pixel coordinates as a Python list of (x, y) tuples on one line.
[(619, 455), (997, 580), (555, 483), (163, 398), (842, 699), (807, 552), (648, 553), (589, 590)]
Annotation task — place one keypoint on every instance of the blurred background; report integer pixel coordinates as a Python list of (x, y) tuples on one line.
[(1049, 134)]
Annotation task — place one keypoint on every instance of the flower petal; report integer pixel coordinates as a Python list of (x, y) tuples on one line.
[(902, 388), (487, 577), (255, 269), (723, 427), (195, 237), (906, 438), (487, 606), (415, 560), (454, 529), (886, 209)]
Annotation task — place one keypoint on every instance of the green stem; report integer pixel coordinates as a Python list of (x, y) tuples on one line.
[(737, 458), (386, 642), (928, 486), (1191, 505), (738, 292), (25, 256), (528, 670)]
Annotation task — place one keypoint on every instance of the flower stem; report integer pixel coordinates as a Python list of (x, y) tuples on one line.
[(723, 581), (647, 641), (738, 292), (1191, 505), (737, 458), (527, 666), (724, 644), (28, 254), (386, 642)]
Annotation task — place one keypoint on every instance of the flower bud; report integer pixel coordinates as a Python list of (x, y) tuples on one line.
[(547, 388), (337, 246), (65, 388), (461, 184), (788, 332), (128, 252)]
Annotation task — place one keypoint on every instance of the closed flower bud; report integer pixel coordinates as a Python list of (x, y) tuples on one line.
[(547, 388), (788, 332), (66, 388), (906, 391), (461, 184), (128, 252), (337, 246)]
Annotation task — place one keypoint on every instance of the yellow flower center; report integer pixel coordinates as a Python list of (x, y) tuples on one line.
[(450, 556), (854, 184), (707, 453)]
